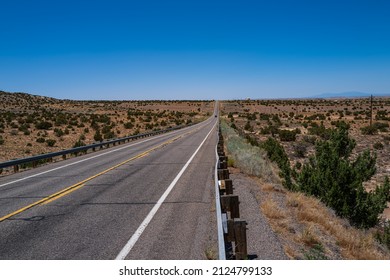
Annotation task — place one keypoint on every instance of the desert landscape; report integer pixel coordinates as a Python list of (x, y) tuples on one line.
[(32, 124), (306, 227)]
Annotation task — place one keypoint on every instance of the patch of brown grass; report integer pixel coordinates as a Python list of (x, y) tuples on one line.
[(353, 243), (308, 237), (272, 210)]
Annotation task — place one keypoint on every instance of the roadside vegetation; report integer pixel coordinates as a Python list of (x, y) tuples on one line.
[(328, 201)]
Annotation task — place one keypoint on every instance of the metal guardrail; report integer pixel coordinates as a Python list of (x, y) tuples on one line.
[(221, 238), (17, 162), (232, 242)]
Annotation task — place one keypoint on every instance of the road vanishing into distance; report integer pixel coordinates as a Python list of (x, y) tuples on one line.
[(148, 199)]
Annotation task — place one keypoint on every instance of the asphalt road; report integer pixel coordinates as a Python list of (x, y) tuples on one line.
[(148, 199)]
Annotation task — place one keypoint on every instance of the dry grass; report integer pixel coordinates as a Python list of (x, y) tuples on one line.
[(308, 237), (353, 243), (271, 210)]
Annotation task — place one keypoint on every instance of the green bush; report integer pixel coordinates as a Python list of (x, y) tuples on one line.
[(128, 125), (378, 146), (44, 125), (373, 129), (338, 181), (51, 142), (287, 135), (40, 140), (78, 143), (276, 153), (98, 136)]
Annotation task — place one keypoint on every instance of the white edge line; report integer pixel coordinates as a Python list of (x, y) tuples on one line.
[(130, 244), (86, 159)]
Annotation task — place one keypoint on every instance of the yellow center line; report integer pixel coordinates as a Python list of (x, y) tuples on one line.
[(62, 194), (80, 184)]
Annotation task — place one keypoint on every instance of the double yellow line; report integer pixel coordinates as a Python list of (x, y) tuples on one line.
[(80, 184)]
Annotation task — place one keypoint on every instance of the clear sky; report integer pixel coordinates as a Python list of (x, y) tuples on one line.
[(194, 49)]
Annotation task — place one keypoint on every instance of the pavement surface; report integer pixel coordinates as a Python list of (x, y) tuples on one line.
[(148, 199)]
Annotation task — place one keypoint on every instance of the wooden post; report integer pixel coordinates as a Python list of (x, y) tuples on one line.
[(240, 239), (230, 203), (64, 157), (223, 158), (229, 237), (16, 168), (223, 174), (228, 186), (223, 165)]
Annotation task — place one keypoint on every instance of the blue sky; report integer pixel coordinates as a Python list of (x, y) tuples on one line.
[(194, 49)]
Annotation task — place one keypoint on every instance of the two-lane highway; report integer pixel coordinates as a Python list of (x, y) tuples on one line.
[(149, 199)]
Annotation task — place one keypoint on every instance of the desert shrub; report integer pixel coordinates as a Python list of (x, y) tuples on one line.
[(79, 143), (51, 142), (276, 153), (270, 129), (40, 140), (109, 135), (128, 125), (287, 135), (98, 136), (320, 130), (369, 130), (378, 146), (248, 126), (60, 120), (338, 181), (44, 125), (373, 129), (58, 132), (106, 129)]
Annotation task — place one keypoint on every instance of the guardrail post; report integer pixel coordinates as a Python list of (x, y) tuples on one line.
[(229, 236), (230, 203), (16, 168), (223, 165), (64, 157), (240, 239), (228, 186), (223, 174)]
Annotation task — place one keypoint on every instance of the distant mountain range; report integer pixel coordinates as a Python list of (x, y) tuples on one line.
[(349, 94)]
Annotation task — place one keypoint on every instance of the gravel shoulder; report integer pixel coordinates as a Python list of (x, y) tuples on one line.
[(263, 243)]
